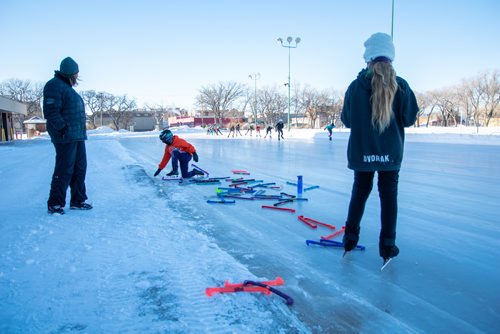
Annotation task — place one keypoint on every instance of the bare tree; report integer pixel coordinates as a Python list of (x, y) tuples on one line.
[(273, 104), (121, 111), (474, 96), (490, 87), (314, 102), (219, 98), (158, 112), (335, 104), (26, 92), (423, 101), (465, 103), (93, 103)]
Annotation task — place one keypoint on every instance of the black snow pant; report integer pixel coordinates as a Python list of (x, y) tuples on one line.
[(388, 193), (70, 170), (183, 158)]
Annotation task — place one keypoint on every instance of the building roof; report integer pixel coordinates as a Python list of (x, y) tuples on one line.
[(11, 106), (35, 120)]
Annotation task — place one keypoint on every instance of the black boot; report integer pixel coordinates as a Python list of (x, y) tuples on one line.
[(80, 206), (351, 238), (173, 172), (387, 247), (197, 172), (55, 209)]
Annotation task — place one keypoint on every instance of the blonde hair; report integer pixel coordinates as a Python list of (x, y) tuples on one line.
[(384, 87)]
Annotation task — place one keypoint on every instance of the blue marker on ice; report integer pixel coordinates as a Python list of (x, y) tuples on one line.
[(299, 184)]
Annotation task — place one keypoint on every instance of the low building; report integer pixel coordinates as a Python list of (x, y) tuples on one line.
[(9, 107), (35, 125)]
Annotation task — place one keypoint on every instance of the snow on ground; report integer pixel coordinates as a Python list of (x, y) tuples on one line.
[(140, 261)]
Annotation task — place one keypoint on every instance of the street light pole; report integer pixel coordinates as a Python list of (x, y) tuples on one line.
[(289, 46), (392, 21), (255, 77)]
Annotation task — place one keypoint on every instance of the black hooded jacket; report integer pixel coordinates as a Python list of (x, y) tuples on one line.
[(367, 149)]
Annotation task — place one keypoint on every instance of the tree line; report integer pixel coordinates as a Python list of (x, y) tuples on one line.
[(472, 102)]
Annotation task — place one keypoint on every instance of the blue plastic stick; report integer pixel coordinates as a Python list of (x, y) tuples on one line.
[(213, 201), (287, 298), (331, 243)]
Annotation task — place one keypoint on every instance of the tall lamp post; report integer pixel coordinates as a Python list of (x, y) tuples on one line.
[(392, 21), (289, 46), (255, 77)]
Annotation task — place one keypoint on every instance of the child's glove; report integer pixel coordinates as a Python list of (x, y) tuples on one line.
[(157, 171), (195, 157)]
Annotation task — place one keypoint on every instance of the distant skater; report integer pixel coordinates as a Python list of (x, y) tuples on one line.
[(250, 129), (269, 130), (217, 130), (329, 127), (238, 130), (378, 105), (257, 131), (279, 129), (231, 130)]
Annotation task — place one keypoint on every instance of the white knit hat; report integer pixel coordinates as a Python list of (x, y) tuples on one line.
[(379, 45)]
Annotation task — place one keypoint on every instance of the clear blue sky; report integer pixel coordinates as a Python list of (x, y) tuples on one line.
[(163, 52)]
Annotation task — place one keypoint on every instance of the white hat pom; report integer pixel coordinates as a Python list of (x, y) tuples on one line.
[(379, 45)]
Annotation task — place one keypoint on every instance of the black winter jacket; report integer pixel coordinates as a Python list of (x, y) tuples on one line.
[(63, 106), (367, 149)]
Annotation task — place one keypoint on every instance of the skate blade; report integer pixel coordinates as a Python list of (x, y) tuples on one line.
[(386, 263)]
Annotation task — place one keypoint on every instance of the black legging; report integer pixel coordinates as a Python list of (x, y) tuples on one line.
[(388, 193)]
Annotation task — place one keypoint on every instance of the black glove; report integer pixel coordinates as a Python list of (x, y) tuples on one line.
[(157, 171), (64, 130), (195, 157)]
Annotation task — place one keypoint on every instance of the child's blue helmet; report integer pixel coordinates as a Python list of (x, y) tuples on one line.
[(167, 136)]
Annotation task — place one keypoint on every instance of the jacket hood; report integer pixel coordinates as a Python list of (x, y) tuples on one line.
[(365, 78), (59, 75)]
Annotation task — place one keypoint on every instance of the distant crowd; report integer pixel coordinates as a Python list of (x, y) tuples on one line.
[(235, 129)]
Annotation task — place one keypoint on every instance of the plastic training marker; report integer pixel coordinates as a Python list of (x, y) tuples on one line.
[(339, 232), (311, 188), (200, 169), (331, 243), (288, 299), (171, 178), (205, 181), (299, 184), (220, 201), (240, 171), (279, 209), (240, 287), (308, 221)]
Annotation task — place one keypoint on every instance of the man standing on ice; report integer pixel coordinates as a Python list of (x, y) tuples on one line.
[(181, 152), (64, 111), (378, 105)]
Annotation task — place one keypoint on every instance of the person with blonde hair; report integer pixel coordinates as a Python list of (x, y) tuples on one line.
[(378, 105)]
